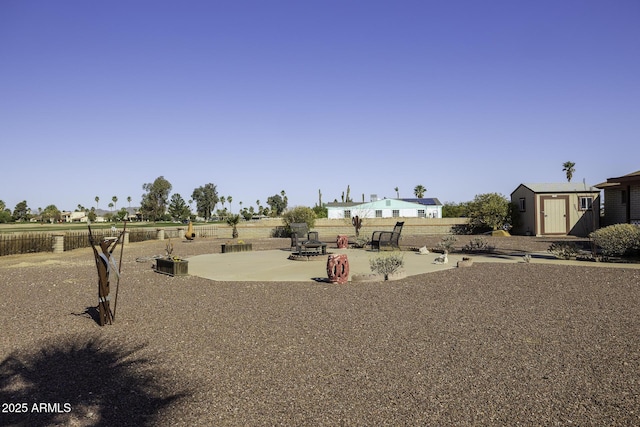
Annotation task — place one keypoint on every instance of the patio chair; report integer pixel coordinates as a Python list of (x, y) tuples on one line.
[(387, 239), (299, 232), (302, 239)]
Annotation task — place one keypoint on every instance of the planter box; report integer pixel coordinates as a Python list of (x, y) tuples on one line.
[(236, 247), (172, 267)]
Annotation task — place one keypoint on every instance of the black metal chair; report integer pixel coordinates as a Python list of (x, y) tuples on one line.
[(302, 239), (299, 234), (387, 239)]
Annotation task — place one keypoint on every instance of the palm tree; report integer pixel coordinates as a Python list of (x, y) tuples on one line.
[(419, 191), (229, 200), (569, 168), (397, 190), (115, 201), (97, 199), (233, 221)]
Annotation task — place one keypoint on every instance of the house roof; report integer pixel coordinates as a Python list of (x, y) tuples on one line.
[(342, 204), (560, 187), (428, 201), (613, 182), (378, 204)]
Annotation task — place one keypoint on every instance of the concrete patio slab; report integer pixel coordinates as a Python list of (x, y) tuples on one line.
[(274, 265)]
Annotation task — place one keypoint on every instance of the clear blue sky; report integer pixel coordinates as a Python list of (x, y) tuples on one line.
[(463, 97)]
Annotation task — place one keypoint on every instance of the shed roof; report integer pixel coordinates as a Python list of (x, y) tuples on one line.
[(560, 187)]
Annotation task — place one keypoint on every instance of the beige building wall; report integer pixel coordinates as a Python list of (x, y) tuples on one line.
[(527, 224), (331, 228)]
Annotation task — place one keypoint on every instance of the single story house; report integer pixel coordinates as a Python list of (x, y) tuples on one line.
[(621, 199), (433, 206), (556, 209), (386, 208)]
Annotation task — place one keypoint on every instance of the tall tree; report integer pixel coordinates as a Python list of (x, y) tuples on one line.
[(229, 199), (569, 169), (488, 211), (92, 214), (277, 204), (21, 211), (397, 190), (178, 208), (206, 198), (97, 199), (419, 191), (5, 214), (114, 199), (154, 201), (51, 214)]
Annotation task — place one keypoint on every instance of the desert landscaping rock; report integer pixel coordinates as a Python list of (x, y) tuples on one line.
[(496, 344)]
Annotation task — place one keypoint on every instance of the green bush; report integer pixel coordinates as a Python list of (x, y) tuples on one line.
[(387, 264), (320, 211), (488, 212), (299, 214), (617, 239)]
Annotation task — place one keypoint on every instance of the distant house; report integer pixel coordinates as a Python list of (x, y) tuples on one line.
[(556, 209), (622, 199), (73, 216), (386, 208), (433, 207)]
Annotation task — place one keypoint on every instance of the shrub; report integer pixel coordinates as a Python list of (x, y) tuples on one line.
[(387, 264), (446, 244), (299, 214), (488, 212), (617, 239), (320, 211), (478, 244), (563, 250), (361, 242), (233, 221)]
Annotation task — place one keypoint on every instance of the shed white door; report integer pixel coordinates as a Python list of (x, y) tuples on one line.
[(554, 212)]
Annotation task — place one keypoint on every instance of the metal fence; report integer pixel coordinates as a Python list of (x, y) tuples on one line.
[(24, 243), (207, 231), (142, 234), (80, 239)]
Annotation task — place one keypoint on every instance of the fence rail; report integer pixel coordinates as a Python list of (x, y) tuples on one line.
[(24, 243)]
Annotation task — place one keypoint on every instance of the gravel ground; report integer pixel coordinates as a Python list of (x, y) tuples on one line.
[(495, 344)]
